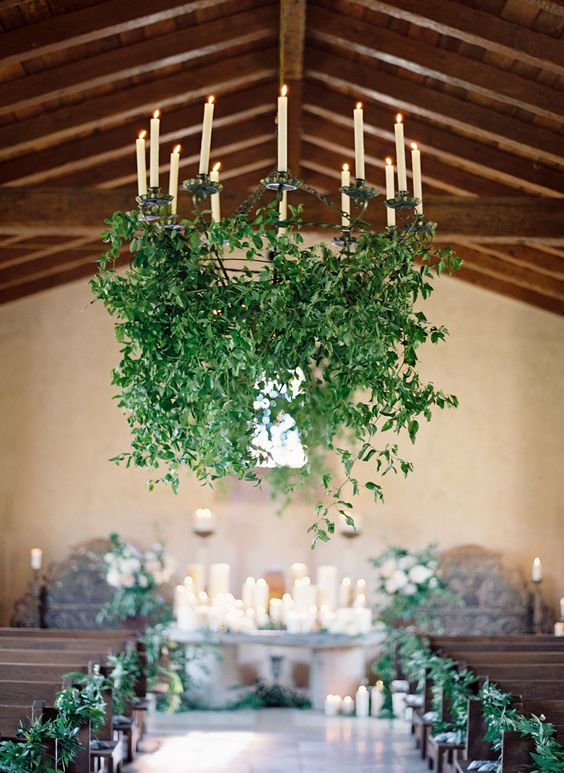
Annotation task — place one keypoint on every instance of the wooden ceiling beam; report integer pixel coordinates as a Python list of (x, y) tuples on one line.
[(81, 212), (501, 286), (291, 51), (470, 119), (136, 103), (526, 256), (99, 21), (229, 33), (181, 125), (384, 45), (443, 177), (478, 28), (46, 282), (480, 159)]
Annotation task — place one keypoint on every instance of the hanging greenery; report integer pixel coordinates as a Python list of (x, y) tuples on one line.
[(329, 338)]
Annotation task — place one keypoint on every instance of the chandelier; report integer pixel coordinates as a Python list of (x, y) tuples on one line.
[(210, 352)]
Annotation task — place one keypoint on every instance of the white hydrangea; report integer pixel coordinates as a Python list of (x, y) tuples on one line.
[(396, 582), (113, 577), (420, 574), (406, 562), (388, 567), (127, 580), (410, 589)]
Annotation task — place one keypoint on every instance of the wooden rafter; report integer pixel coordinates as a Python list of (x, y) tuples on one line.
[(470, 119), (291, 50), (478, 28), (60, 211), (431, 61)]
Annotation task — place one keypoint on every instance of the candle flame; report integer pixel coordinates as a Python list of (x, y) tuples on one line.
[(284, 90), (211, 99), (414, 146), (359, 105), (142, 134), (216, 167), (345, 167), (399, 118), (177, 149), (388, 162), (157, 114)]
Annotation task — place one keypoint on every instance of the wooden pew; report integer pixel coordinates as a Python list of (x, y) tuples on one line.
[(53, 656)]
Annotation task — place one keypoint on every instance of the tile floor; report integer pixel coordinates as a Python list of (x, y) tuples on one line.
[(277, 741)]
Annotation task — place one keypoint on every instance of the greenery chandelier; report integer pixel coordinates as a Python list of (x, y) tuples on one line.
[(228, 326)]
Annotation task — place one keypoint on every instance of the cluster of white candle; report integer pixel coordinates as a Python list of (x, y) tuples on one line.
[(367, 702), (326, 605)]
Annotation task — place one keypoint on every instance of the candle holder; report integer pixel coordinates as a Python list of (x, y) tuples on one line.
[(201, 187), (346, 241), (155, 205), (281, 181), (35, 615), (360, 193), (537, 607), (402, 200)]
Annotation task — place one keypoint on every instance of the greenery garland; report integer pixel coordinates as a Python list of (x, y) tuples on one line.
[(415, 657), (200, 343)]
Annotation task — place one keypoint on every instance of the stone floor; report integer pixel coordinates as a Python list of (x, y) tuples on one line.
[(277, 741)]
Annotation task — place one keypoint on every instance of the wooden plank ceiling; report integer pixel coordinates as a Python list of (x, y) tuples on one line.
[(479, 81)]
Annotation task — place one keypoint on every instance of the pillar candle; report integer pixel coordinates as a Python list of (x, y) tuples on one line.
[(562, 608), (390, 192), (173, 178), (360, 589), (275, 611), (327, 586), (180, 595), (141, 163), (261, 594), (249, 592), (206, 136), (332, 705), (154, 159), (417, 184), (196, 572), (359, 141), (203, 522), (345, 592), (36, 557), (536, 574), (297, 571), (362, 700), (400, 153), (347, 706), (345, 200), (215, 203), (283, 130), (376, 699), (219, 580)]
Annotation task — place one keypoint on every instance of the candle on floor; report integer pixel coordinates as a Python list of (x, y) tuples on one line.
[(261, 593), (376, 698), (400, 153), (283, 130), (417, 184), (332, 705), (36, 558), (141, 163), (173, 178), (536, 574), (249, 593), (345, 200), (362, 700), (206, 136), (154, 150), (347, 707), (219, 580), (215, 203), (358, 116), (390, 192)]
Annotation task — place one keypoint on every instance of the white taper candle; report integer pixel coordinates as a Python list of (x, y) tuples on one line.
[(358, 116), (141, 163), (345, 200), (400, 153), (390, 192), (154, 160), (215, 202), (36, 558), (417, 184), (283, 130), (173, 178), (206, 136)]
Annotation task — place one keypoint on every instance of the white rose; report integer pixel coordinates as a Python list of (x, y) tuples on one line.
[(113, 578), (152, 567), (143, 581), (406, 562), (396, 582), (433, 582), (128, 580), (419, 574), (131, 565), (388, 567), (410, 589)]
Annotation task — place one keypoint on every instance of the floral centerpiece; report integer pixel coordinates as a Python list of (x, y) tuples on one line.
[(138, 578), (408, 583)]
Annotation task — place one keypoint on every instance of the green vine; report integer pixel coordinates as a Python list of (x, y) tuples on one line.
[(200, 344)]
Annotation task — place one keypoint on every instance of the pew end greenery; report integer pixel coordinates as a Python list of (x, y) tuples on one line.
[(199, 343)]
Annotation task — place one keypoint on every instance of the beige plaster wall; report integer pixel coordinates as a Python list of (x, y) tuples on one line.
[(490, 473)]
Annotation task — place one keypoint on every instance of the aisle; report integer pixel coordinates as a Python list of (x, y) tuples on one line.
[(278, 741)]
